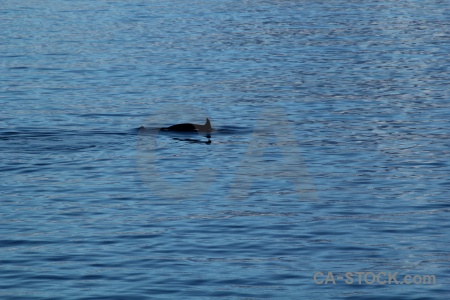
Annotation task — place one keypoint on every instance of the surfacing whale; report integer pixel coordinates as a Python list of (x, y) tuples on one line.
[(185, 128), (189, 127)]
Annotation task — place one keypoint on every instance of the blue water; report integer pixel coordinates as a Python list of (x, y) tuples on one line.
[(330, 151)]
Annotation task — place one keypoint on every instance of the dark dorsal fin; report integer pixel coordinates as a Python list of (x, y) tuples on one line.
[(204, 128)]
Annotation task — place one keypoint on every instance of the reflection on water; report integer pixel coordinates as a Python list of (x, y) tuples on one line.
[(329, 149)]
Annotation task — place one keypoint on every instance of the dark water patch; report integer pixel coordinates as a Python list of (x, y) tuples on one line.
[(24, 243), (19, 68), (58, 133), (230, 130)]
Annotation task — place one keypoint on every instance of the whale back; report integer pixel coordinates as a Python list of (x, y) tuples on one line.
[(182, 127), (188, 127)]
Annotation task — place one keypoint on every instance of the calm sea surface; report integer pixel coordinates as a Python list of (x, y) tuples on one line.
[(330, 151)]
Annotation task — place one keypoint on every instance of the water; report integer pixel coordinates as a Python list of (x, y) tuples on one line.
[(330, 152)]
